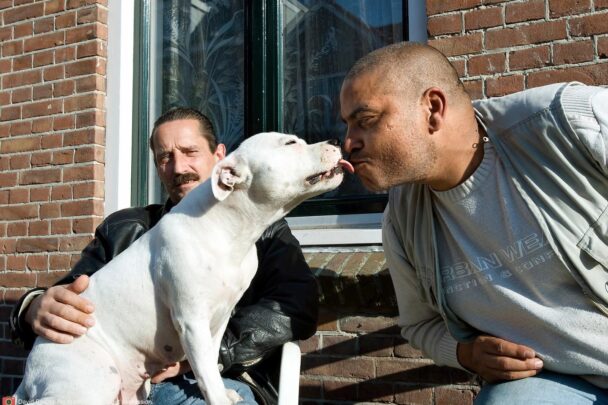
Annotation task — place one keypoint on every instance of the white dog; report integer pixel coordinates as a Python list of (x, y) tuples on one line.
[(168, 297)]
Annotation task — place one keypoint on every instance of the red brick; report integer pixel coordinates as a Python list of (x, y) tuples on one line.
[(461, 45), (65, 54), (40, 176), (21, 128), (596, 74), (23, 30), (504, 85), (19, 196), (40, 194), (474, 88), (93, 14), (22, 62), (560, 8), (91, 83), (63, 122), (44, 91), (89, 190), (86, 225), (573, 52), (43, 108), (601, 4), (526, 11), (42, 125), (20, 162), (65, 20), (21, 95), (43, 58), (20, 144), (59, 262), (445, 24), (63, 157), (53, 6), (8, 245), (406, 394), (83, 102), (436, 7), (529, 58), (589, 25), (80, 208), (63, 88), (526, 35), (445, 396), (61, 192), (6, 33), (91, 48), (85, 67), (91, 118), (12, 48), (39, 228), (73, 243), (37, 263), (5, 65), (459, 65), (54, 73), (10, 113), (486, 64), (339, 389), (89, 154), (84, 136), (40, 159), (44, 25), (86, 32), (23, 13), (16, 229), (483, 18), (45, 41), (50, 210), (18, 279), (330, 366), (37, 245), (82, 173), (61, 227), (21, 79), (602, 47), (50, 141)]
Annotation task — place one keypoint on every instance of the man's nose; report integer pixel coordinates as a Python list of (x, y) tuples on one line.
[(350, 142), (180, 163)]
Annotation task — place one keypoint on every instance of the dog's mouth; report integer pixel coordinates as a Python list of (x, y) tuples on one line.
[(337, 169)]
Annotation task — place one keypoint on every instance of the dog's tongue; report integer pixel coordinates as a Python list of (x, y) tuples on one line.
[(346, 165)]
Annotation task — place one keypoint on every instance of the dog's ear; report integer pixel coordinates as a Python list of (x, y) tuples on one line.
[(227, 174)]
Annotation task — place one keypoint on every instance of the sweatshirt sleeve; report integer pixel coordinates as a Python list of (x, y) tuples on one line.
[(421, 325)]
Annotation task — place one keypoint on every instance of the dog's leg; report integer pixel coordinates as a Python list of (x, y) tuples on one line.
[(202, 353)]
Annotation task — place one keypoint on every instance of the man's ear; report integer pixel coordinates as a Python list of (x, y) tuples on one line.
[(227, 174), (435, 101)]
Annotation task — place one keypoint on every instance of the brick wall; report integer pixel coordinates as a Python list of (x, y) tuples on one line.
[(52, 128), (500, 47), (52, 119)]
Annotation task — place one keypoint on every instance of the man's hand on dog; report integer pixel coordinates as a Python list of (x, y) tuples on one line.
[(60, 314)]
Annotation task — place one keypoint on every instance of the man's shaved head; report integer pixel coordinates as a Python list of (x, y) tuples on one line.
[(410, 66)]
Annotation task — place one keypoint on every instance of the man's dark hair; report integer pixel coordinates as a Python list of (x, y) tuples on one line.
[(187, 113)]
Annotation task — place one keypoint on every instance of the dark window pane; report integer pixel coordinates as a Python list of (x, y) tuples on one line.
[(203, 64), (322, 40)]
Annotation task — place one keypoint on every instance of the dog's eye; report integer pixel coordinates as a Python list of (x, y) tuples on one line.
[(290, 142)]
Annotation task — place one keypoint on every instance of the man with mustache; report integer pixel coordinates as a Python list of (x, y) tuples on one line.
[(280, 305), (495, 232)]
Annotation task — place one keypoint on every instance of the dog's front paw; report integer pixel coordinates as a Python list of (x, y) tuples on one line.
[(233, 396)]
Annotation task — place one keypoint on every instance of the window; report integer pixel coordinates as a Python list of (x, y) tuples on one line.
[(261, 65)]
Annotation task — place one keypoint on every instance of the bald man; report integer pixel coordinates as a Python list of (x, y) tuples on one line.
[(496, 228)]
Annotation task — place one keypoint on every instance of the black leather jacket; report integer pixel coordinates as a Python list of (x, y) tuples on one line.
[(280, 305)]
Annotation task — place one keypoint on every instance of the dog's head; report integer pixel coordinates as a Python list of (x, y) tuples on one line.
[(279, 170)]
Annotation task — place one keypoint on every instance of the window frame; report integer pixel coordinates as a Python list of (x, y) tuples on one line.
[(263, 112)]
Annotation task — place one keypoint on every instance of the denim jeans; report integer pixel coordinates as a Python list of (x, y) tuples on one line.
[(184, 391), (544, 388)]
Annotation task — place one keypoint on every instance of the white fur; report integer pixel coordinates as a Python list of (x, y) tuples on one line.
[(168, 297)]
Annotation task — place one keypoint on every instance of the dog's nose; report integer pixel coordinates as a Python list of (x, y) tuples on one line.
[(334, 142)]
